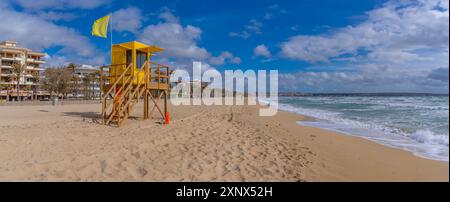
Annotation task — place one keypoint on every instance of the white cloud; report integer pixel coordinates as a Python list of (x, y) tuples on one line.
[(181, 42), (168, 16), (294, 28), (367, 78), (56, 16), (220, 60), (273, 10), (396, 27), (235, 60), (268, 16), (127, 19), (178, 41), (244, 34), (367, 81), (317, 80), (274, 6), (38, 34), (253, 27), (262, 50), (56, 60), (395, 49), (59, 4)]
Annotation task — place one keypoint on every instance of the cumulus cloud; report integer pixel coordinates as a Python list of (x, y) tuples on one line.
[(397, 27), (367, 78), (59, 4), (223, 57), (397, 48), (178, 41), (262, 50), (318, 78), (361, 82), (39, 34), (181, 42), (127, 19), (56, 16), (168, 16), (273, 9)]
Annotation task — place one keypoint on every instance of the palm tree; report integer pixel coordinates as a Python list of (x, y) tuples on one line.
[(37, 78), (88, 78), (94, 77), (74, 83), (18, 70), (72, 67), (8, 88)]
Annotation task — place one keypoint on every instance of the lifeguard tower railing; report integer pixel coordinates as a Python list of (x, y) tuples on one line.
[(123, 87)]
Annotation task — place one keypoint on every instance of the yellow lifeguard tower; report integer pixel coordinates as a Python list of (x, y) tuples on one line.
[(130, 78)]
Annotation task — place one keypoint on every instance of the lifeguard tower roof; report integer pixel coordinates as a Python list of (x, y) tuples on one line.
[(139, 46)]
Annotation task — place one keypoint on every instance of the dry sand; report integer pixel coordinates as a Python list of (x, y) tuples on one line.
[(220, 143)]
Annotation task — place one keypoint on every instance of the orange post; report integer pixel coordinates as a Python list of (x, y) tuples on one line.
[(167, 118)]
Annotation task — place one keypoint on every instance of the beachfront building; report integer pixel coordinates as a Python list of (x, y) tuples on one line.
[(85, 82), (11, 54), (190, 87)]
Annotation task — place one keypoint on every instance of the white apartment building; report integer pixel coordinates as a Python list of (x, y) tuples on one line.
[(10, 53), (88, 82)]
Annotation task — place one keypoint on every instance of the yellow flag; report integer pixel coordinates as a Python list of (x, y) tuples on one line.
[(100, 27)]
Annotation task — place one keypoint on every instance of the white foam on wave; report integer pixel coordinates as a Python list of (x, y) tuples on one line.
[(423, 143), (426, 136)]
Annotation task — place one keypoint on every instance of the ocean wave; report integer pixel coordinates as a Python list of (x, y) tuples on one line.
[(426, 136), (419, 142), (381, 102)]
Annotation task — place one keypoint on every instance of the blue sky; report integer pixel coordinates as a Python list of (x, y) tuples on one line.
[(317, 46)]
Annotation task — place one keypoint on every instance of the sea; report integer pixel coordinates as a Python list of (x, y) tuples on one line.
[(415, 123)]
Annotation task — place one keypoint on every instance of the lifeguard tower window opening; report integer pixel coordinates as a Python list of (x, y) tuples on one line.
[(141, 58)]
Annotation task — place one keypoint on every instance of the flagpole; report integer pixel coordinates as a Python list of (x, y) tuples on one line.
[(111, 35)]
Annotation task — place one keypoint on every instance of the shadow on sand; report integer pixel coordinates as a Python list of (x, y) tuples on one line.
[(93, 116)]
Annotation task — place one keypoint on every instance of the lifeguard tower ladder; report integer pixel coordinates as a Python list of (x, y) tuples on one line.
[(130, 78)]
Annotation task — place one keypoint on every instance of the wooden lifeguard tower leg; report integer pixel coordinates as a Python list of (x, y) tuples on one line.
[(145, 105), (165, 107), (147, 80), (155, 103)]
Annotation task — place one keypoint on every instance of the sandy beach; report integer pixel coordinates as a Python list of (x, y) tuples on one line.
[(219, 143)]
